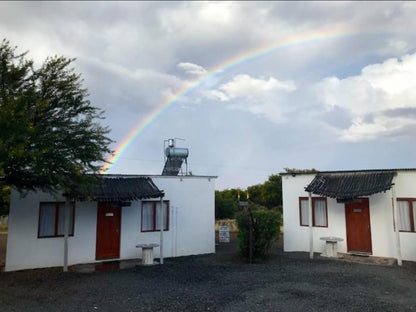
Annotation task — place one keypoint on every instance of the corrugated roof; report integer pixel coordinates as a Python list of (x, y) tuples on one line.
[(348, 171), (193, 176), (123, 189), (352, 184)]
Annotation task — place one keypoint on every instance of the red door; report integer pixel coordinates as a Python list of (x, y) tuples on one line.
[(108, 231), (357, 218)]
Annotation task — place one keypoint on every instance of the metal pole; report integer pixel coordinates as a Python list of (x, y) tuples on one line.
[(176, 231), (162, 225), (250, 235), (396, 226), (310, 227), (66, 232)]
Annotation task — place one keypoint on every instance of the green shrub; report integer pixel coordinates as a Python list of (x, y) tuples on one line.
[(266, 228)]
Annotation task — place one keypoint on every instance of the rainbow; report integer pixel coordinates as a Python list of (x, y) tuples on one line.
[(228, 64)]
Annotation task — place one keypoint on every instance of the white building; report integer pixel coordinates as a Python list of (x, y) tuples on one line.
[(124, 213), (356, 206)]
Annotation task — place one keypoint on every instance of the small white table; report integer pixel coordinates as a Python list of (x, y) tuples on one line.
[(147, 253), (331, 246)]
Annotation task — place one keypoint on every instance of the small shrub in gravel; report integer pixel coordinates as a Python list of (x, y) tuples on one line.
[(266, 228)]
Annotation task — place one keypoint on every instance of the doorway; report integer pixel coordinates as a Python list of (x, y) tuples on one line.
[(108, 231), (357, 218)]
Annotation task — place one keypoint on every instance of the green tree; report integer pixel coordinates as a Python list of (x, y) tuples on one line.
[(226, 203), (268, 194), (265, 229), (272, 192), (50, 136), (256, 194), (224, 206)]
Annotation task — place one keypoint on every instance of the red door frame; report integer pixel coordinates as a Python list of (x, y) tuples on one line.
[(358, 228), (108, 231)]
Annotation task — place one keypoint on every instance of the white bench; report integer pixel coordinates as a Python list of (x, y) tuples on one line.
[(147, 253), (331, 246)]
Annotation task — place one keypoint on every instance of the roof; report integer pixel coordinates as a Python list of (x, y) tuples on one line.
[(348, 185), (189, 176), (346, 171), (116, 189)]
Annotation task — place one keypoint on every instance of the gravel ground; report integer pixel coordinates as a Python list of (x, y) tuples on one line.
[(220, 282)]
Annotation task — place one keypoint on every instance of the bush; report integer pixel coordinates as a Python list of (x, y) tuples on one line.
[(266, 228)]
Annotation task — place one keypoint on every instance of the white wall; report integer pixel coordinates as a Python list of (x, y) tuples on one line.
[(26, 250), (191, 220), (191, 228), (296, 237), (406, 187)]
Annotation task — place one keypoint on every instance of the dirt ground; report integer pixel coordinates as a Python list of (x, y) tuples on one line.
[(217, 282)]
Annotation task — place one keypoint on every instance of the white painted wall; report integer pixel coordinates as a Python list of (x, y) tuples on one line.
[(191, 220), (191, 228), (25, 250), (405, 187), (296, 237)]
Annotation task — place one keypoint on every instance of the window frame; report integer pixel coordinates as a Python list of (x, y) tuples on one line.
[(56, 223), (155, 215), (411, 213), (313, 211)]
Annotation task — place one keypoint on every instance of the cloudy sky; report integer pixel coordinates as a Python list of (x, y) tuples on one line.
[(325, 85)]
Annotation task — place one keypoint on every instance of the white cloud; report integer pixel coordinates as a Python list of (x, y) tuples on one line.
[(138, 89), (217, 12), (382, 126), (220, 14), (243, 86), (390, 85), (128, 53), (216, 95), (262, 97), (192, 69), (398, 45)]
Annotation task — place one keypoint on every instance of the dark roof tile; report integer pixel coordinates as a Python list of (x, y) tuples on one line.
[(123, 189), (351, 185)]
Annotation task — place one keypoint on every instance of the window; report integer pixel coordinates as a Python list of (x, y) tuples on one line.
[(51, 219), (320, 214), (406, 212), (150, 216)]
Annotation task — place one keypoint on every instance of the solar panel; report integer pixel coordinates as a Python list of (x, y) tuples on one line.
[(172, 166), (174, 158)]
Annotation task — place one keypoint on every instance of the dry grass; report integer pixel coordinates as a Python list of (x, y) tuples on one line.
[(4, 228), (232, 223)]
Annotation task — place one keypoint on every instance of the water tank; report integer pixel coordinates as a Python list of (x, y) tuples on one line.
[(176, 152)]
